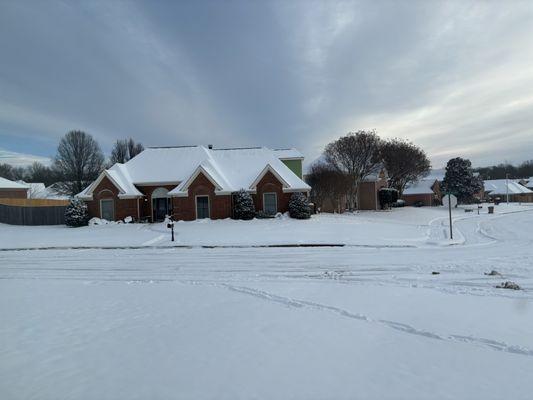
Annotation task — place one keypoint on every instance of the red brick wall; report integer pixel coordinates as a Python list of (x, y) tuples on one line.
[(106, 190), (426, 199), (269, 183), (14, 193), (184, 208)]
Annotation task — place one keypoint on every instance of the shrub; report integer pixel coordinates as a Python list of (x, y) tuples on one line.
[(387, 196), (243, 205), (299, 207), (76, 213)]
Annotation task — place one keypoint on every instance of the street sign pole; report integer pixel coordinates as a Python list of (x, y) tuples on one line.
[(450, 214)]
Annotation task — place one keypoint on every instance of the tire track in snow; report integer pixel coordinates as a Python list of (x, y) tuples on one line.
[(289, 302)]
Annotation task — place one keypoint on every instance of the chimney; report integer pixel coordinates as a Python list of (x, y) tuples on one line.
[(210, 146)]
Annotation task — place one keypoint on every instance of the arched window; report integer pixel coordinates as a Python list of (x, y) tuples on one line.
[(161, 204)]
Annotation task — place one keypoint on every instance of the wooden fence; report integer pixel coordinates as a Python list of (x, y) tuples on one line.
[(32, 211)]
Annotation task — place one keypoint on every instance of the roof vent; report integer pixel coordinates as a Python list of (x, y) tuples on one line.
[(210, 146)]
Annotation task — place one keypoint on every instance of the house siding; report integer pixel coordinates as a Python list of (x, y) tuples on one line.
[(295, 166), (13, 193)]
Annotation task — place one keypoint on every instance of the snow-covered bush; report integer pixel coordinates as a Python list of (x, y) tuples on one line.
[(299, 206), (243, 205), (76, 213), (387, 196)]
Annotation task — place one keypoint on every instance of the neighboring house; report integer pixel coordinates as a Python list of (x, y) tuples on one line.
[(367, 194), (425, 191), (501, 187), (36, 190), (13, 190), (529, 183), (194, 182)]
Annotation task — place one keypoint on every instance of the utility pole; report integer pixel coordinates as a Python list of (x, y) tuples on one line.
[(450, 213), (507, 187)]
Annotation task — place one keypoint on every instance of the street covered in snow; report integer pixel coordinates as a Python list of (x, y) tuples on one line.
[(400, 311)]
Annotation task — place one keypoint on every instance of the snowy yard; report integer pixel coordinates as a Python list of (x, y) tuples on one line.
[(368, 320)]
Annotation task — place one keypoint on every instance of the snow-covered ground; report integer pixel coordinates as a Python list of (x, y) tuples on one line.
[(368, 321)]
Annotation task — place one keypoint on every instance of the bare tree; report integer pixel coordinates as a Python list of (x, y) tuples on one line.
[(12, 173), (124, 150), (405, 163), (356, 155), (78, 162), (38, 172), (327, 184)]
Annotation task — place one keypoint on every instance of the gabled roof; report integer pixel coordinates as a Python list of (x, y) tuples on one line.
[(288, 154), (7, 184), (228, 169), (119, 176), (529, 183), (501, 186), (423, 186)]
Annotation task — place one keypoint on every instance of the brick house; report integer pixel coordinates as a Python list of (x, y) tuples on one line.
[(367, 194), (425, 192), (13, 190), (194, 182), (501, 188)]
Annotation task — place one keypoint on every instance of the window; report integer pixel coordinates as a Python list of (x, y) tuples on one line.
[(202, 207), (270, 203), (107, 209)]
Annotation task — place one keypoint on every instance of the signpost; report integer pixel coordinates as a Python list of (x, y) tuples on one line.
[(452, 202)]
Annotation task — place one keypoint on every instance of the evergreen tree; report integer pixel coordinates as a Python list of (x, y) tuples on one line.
[(387, 196), (299, 207), (460, 180), (76, 213), (243, 205)]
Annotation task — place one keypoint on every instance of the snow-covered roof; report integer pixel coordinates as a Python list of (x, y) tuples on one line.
[(499, 187), (529, 183), (288, 154), (36, 190), (228, 169), (436, 174), (423, 186), (7, 184)]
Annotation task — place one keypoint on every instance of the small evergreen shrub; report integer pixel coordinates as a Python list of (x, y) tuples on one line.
[(76, 213), (243, 205), (387, 196), (299, 206)]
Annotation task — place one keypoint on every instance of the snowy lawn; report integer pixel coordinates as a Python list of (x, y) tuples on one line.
[(400, 227), (300, 323)]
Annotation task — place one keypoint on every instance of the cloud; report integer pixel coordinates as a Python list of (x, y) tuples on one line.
[(451, 76)]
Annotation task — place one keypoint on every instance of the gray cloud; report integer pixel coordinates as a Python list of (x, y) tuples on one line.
[(454, 77)]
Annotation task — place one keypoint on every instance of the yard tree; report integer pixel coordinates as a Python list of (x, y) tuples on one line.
[(405, 162), (460, 180), (78, 162), (76, 213), (124, 150), (327, 184), (243, 205), (356, 155), (299, 206)]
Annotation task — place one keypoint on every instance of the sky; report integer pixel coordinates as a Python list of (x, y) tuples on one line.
[(455, 78)]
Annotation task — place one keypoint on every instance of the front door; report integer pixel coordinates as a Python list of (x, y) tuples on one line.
[(160, 208), (107, 209), (202, 207)]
